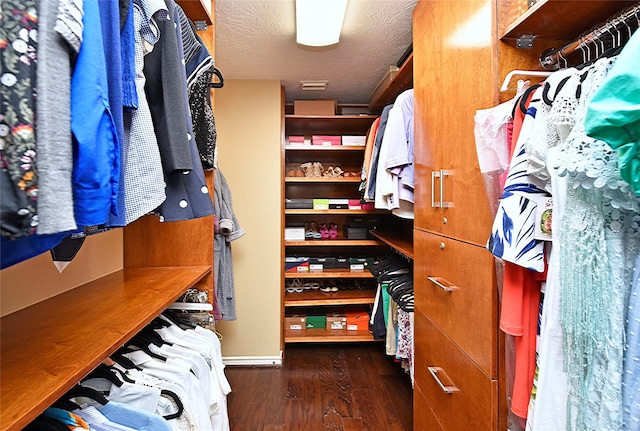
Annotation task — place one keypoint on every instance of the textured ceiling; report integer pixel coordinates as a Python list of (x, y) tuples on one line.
[(255, 39)]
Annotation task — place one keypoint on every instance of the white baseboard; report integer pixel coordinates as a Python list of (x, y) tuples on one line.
[(271, 361)]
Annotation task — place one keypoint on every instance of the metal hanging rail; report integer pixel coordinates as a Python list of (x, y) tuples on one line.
[(550, 59)]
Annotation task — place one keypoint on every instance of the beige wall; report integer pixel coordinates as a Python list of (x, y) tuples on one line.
[(37, 279), (248, 121)]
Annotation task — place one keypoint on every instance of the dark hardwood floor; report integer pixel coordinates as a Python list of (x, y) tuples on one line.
[(336, 387)]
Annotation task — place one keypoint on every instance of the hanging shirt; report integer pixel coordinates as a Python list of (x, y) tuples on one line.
[(96, 172)]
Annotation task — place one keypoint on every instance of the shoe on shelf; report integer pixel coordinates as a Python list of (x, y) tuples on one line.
[(317, 169), (308, 233), (313, 230), (307, 169), (324, 231), (333, 231)]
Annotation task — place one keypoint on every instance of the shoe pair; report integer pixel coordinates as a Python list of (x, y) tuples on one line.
[(328, 231), (329, 287), (294, 286), (311, 231)]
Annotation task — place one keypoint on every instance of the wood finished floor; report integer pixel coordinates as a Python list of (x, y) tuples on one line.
[(336, 387)]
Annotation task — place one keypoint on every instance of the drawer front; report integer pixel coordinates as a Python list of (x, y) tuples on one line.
[(460, 394), (424, 419), (455, 287)]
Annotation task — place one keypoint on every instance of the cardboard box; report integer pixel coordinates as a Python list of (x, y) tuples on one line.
[(356, 232), (315, 318), (326, 262), (354, 204), (299, 204), (357, 319), (326, 140), (321, 204), (296, 264), (341, 263), (297, 140), (351, 140), (294, 234), (295, 321), (315, 107), (336, 319), (338, 204)]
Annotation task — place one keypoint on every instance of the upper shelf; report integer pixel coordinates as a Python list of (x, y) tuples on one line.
[(402, 245), (563, 19), (388, 90), (306, 125), (48, 347), (197, 10)]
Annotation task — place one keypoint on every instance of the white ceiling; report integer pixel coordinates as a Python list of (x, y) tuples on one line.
[(255, 39)]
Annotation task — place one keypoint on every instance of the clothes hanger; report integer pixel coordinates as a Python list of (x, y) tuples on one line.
[(510, 75), (123, 361), (220, 83), (176, 400), (141, 346), (46, 423), (108, 373), (83, 391)]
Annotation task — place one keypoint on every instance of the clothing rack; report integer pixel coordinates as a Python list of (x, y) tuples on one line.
[(552, 58)]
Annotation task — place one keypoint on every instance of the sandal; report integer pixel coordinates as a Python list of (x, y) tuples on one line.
[(313, 229), (328, 172), (307, 169), (333, 231), (317, 169), (324, 231)]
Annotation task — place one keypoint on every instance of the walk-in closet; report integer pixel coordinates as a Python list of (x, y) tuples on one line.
[(192, 241)]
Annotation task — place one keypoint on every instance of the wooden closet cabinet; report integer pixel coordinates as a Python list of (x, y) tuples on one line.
[(462, 50)]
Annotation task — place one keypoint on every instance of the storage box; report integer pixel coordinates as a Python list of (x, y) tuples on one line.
[(356, 232), (294, 234), (298, 140), (354, 204), (321, 204), (296, 264), (295, 321), (357, 319), (315, 318), (325, 262), (360, 263), (299, 204), (338, 204), (350, 140), (342, 263), (326, 140), (336, 319), (315, 107)]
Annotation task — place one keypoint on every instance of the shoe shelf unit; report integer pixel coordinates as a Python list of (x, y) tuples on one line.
[(297, 185)]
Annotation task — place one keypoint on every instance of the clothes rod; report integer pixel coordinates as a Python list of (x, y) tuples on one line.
[(549, 59)]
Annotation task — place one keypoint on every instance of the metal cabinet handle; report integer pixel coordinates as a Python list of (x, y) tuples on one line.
[(443, 284), (448, 389), (435, 175), (444, 173)]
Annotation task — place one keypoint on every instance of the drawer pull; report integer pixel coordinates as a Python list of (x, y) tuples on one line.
[(443, 284), (443, 203), (448, 389)]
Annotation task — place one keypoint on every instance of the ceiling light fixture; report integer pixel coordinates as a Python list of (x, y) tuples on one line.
[(313, 85), (319, 22)]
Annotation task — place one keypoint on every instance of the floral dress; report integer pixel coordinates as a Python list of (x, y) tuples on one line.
[(18, 178)]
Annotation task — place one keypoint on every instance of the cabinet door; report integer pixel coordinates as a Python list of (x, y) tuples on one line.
[(455, 287), (454, 76)]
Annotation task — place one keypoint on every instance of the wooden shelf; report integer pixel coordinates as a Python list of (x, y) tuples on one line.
[(48, 347), (306, 125), (342, 297), (321, 335), (196, 10), (354, 148), (330, 273), (322, 179), (398, 243), (320, 212), (563, 19), (387, 91), (333, 242)]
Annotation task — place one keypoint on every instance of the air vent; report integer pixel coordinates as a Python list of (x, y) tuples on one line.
[(313, 85)]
